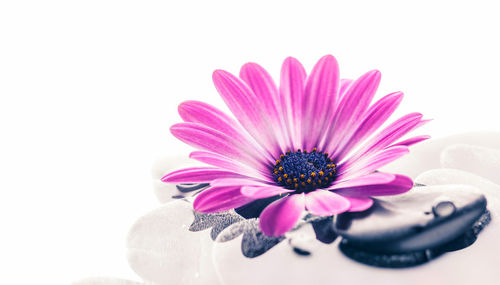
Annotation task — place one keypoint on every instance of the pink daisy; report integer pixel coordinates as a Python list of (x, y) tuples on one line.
[(313, 142)]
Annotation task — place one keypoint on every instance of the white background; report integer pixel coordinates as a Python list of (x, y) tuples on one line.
[(89, 89)]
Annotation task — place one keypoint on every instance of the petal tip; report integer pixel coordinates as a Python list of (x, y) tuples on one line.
[(405, 181), (291, 61), (166, 178), (249, 65), (328, 57), (196, 205), (398, 94), (174, 129), (219, 74), (281, 215), (375, 74)]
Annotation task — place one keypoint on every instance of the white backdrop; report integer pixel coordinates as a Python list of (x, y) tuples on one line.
[(89, 89)]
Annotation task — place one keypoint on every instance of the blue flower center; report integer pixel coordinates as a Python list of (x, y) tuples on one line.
[(304, 171)]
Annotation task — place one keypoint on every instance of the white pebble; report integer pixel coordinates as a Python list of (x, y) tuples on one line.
[(162, 250), (426, 155), (447, 176), (479, 160), (107, 281)]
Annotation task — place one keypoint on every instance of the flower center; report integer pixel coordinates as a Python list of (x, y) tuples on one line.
[(304, 171)]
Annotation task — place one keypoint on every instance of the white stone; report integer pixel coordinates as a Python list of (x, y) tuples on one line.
[(432, 194), (426, 155), (302, 239), (445, 176), (161, 249), (107, 281), (479, 160)]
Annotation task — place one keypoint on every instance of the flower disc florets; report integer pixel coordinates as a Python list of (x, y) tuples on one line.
[(304, 171)]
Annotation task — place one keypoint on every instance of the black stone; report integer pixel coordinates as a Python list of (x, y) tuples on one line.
[(378, 259), (300, 251), (470, 236), (414, 228), (188, 190), (408, 259), (413, 224), (324, 230), (253, 209)]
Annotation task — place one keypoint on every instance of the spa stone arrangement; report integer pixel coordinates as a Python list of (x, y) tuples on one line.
[(307, 183)]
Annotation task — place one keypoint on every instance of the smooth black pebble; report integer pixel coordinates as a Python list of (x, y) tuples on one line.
[(410, 231)]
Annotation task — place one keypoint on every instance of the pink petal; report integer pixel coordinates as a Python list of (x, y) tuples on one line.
[(264, 88), (198, 175), (369, 179), (353, 104), (400, 184), (326, 203), (205, 138), (242, 181), (230, 164), (199, 112), (412, 141), (374, 117), (359, 204), (260, 192), (372, 163), (219, 199), (261, 83), (245, 106), (344, 85), (320, 98), (423, 122), (281, 215), (292, 82), (384, 138), (207, 115)]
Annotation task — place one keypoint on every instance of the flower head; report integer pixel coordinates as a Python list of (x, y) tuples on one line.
[(314, 142)]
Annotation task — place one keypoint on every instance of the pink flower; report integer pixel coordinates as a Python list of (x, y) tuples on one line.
[(310, 142)]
